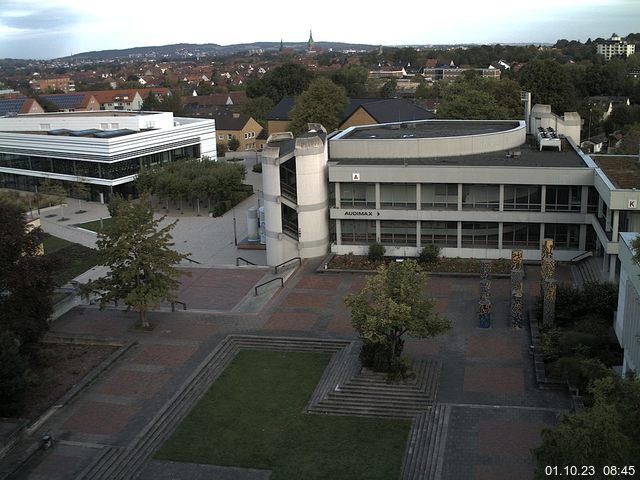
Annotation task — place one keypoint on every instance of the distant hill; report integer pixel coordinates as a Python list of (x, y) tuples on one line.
[(193, 50)]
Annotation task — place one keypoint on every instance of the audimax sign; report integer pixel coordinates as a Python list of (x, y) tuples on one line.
[(360, 213)]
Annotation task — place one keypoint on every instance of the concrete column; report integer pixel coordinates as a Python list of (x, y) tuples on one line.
[(338, 231), (459, 234), (378, 237), (378, 200), (584, 199), (541, 235), (337, 193), (612, 267), (607, 224), (605, 259), (543, 199), (501, 198), (615, 226), (418, 197), (500, 229), (459, 199), (582, 239), (418, 239)]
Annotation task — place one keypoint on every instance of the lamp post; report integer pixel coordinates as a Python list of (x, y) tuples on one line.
[(235, 234)]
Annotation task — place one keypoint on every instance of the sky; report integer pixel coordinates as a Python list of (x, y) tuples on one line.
[(48, 29)]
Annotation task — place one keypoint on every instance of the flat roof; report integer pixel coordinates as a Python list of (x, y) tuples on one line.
[(91, 113), (622, 170), (529, 156), (428, 129)]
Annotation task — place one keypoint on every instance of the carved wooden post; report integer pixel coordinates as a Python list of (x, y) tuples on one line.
[(517, 277), (484, 305)]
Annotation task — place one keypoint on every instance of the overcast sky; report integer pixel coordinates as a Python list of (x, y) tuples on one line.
[(45, 29)]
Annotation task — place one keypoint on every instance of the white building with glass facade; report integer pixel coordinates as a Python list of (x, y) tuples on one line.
[(477, 189), (104, 149), (627, 321)]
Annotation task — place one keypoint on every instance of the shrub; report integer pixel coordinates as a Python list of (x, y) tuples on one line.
[(376, 252), (12, 375), (257, 168), (429, 254), (580, 371)]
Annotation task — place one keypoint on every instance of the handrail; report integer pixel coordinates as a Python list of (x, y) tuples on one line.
[(173, 305), (244, 260), (193, 261), (266, 283), (275, 270), (582, 256)]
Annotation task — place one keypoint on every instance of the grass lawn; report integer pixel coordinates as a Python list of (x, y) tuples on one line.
[(252, 417), (94, 225), (71, 259)]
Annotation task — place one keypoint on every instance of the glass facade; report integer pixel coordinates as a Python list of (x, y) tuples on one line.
[(564, 236), (361, 195), (480, 197), (522, 197), (398, 232), (358, 232), (521, 235), (439, 196), (479, 235), (563, 198), (443, 234), (398, 195), (105, 170)]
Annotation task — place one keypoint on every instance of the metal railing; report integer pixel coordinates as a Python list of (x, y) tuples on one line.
[(193, 261), (275, 270), (173, 305), (266, 283), (581, 256), (244, 260)]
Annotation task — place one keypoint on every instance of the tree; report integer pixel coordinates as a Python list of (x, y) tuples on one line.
[(142, 264), (353, 78), (388, 90), (630, 144), (549, 83), (323, 102), (26, 279), (56, 193), (221, 149), (233, 144), (80, 190), (287, 79), (258, 108), (12, 378), (392, 304), (605, 434), (151, 103)]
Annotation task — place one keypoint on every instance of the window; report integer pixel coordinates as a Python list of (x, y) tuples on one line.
[(362, 195), (443, 234), (564, 236), (220, 137), (439, 196), (45, 126), (479, 235), (521, 235), (480, 197), (358, 232), (563, 198), (522, 197), (289, 222), (398, 232), (229, 136), (398, 195)]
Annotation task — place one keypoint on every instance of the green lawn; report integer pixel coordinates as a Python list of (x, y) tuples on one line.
[(70, 259), (252, 417), (94, 225)]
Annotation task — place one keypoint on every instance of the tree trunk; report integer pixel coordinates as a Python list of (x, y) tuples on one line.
[(144, 323)]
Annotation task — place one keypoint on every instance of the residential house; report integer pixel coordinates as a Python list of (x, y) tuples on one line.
[(360, 111), (11, 106), (73, 102), (210, 105), (64, 84), (606, 104), (242, 127)]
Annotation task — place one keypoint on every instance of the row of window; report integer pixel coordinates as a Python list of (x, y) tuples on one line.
[(82, 168), (474, 197), (445, 234)]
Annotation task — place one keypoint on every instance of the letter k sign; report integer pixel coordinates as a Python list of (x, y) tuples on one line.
[(632, 204)]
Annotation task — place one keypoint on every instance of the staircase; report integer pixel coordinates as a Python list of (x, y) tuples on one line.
[(369, 393), (588, 270)]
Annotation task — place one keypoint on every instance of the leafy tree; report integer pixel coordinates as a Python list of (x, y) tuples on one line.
[(12, 374), (258, 108), (142, 264), (172, 103), (392, 304), (80, 190), (603, 435), (353, 78), (287, 79), (630, 144), (151, 103), (221, 149), (388, 90), (25, 277), (233, 144), (549, 83), (323, 102)]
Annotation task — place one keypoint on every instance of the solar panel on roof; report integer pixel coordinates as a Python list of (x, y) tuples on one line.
[(73, 100), (11, 105)]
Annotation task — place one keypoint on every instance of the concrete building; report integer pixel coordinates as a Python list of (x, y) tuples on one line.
[(104, 149), (477, 189), (627, 321), (614, 47)]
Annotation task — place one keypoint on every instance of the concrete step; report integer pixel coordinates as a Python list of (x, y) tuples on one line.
[(365, 411), (391, 402)]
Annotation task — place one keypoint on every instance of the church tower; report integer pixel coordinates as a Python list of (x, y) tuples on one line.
[(311, 48)]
